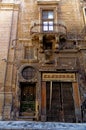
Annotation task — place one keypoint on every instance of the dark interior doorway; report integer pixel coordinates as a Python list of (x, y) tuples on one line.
[(59, 102)]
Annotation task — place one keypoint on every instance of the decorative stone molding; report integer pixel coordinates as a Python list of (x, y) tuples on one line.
[(21, 78), (10, 1), (9, 6), (47, 2), (57, 42)]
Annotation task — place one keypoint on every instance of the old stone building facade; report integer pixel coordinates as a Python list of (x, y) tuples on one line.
[(43, 60)]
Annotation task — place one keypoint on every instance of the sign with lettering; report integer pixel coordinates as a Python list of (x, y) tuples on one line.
[(58, 77)]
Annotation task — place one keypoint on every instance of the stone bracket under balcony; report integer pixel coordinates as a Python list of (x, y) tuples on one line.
[(46, 37)]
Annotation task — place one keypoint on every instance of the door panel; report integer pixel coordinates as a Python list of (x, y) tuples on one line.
[(56, 101), (68, 102), (59, 102), (53, 105)]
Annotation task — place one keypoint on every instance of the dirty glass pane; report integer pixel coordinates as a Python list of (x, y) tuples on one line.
[(45, 14), (50, 15), (45, 26), (51, 26)]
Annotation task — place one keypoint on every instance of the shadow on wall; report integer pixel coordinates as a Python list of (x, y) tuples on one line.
[(83, 111)]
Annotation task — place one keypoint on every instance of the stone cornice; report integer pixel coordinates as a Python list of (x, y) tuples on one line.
[(9, 6), (49, 2)]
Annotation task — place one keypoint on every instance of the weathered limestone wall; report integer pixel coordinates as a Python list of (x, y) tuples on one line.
[(15, 35), (69, 12), (5, 28), (8, 32), (5, 25)]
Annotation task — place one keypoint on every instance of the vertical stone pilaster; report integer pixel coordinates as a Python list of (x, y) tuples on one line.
[(43, 101), (77, 101), (1, 104)]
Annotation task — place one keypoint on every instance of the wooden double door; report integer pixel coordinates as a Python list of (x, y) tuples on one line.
[(59, 102)]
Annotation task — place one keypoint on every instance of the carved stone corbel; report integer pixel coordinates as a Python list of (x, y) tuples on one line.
[(41, 43), (57, 42)]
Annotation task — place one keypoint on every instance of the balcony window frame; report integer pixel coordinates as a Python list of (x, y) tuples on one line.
[(47, 27), (42, 8)]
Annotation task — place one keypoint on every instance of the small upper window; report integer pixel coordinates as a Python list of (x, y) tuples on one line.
[(47, 20), (29, 53)]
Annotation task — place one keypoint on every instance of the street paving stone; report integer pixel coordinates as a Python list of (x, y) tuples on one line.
[(33, 125)]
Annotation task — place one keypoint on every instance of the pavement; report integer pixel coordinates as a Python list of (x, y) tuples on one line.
[(33, 125)]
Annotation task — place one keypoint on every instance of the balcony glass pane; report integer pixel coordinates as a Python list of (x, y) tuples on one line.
[(45, 28), (45, 14), (45, 23), (50, 28), (50, 22), (50, 15)]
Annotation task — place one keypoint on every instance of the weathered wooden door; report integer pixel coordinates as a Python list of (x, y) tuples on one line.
[(28, 97), (59, 102), (68, 102), (53, 101)]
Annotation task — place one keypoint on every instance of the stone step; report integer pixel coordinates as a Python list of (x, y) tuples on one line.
[(26, 118)]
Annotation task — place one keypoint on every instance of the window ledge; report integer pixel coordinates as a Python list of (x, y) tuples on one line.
[(44, 2), (29, 60)]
